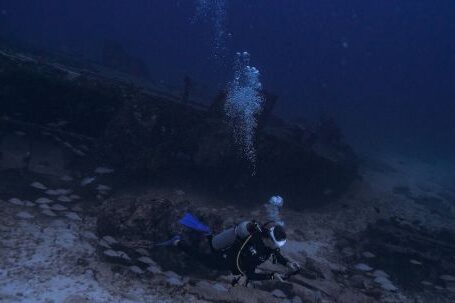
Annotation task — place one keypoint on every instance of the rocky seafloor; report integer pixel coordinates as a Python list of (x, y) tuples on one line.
[(77, 226)]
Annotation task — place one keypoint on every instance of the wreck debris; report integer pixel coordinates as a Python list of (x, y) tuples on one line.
[(144, 130)]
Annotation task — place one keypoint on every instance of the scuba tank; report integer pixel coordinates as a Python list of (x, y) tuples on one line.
[(224, 239), (227, 237), (242, 231)]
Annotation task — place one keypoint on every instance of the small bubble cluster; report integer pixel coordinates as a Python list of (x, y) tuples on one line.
[(273, 207), (215, 11)]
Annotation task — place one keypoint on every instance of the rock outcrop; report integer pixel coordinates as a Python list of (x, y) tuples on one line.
[(132, 225), (394, 254)]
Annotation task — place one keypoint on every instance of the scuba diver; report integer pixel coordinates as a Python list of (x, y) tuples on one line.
[(242, 248)]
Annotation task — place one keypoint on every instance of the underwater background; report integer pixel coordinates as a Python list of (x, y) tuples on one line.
[(130, 127), (385, 70)]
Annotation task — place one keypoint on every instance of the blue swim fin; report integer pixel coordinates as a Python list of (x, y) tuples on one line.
[(171, 242), (192, 222)]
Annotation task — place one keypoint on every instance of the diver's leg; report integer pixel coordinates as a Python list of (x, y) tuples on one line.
[(210, 260), (191, 251)]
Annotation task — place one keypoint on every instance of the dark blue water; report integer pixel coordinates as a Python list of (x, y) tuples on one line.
[(384, 69)]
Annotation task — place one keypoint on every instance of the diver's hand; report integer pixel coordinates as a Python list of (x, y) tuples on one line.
[(277, 276), (294, 266)]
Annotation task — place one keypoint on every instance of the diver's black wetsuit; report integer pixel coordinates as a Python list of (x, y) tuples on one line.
[(253, 254)]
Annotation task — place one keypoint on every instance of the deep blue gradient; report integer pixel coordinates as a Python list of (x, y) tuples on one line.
[(384, 69)]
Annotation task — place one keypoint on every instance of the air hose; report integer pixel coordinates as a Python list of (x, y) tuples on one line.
[(238, 254)]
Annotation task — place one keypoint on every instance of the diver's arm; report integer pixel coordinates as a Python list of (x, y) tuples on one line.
[(253, 276), (280, 258), (292, 265)]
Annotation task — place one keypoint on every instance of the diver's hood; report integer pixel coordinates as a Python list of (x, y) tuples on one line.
[(270, 240)]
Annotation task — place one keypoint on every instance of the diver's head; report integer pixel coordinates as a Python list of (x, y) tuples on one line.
[(273, 235)]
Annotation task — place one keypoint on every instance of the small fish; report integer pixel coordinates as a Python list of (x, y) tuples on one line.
[(43, 200), (103, 188), (104, 170), (64, 199), (16, 201), (38, 185), (58, 207), (86, 181), (73, 216)]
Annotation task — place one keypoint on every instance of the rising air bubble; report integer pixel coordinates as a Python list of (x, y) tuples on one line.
[(243, 104)]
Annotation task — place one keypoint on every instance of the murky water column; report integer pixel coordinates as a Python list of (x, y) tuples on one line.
[(243, 104), (215, 11)]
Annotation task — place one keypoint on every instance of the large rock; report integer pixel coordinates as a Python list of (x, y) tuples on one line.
[(47, 159), (141, 222), (76, 299), (395, 243), (14, 151), (207, 291), (38, 156)]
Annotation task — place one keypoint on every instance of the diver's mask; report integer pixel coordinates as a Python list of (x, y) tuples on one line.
[(274, 236)]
